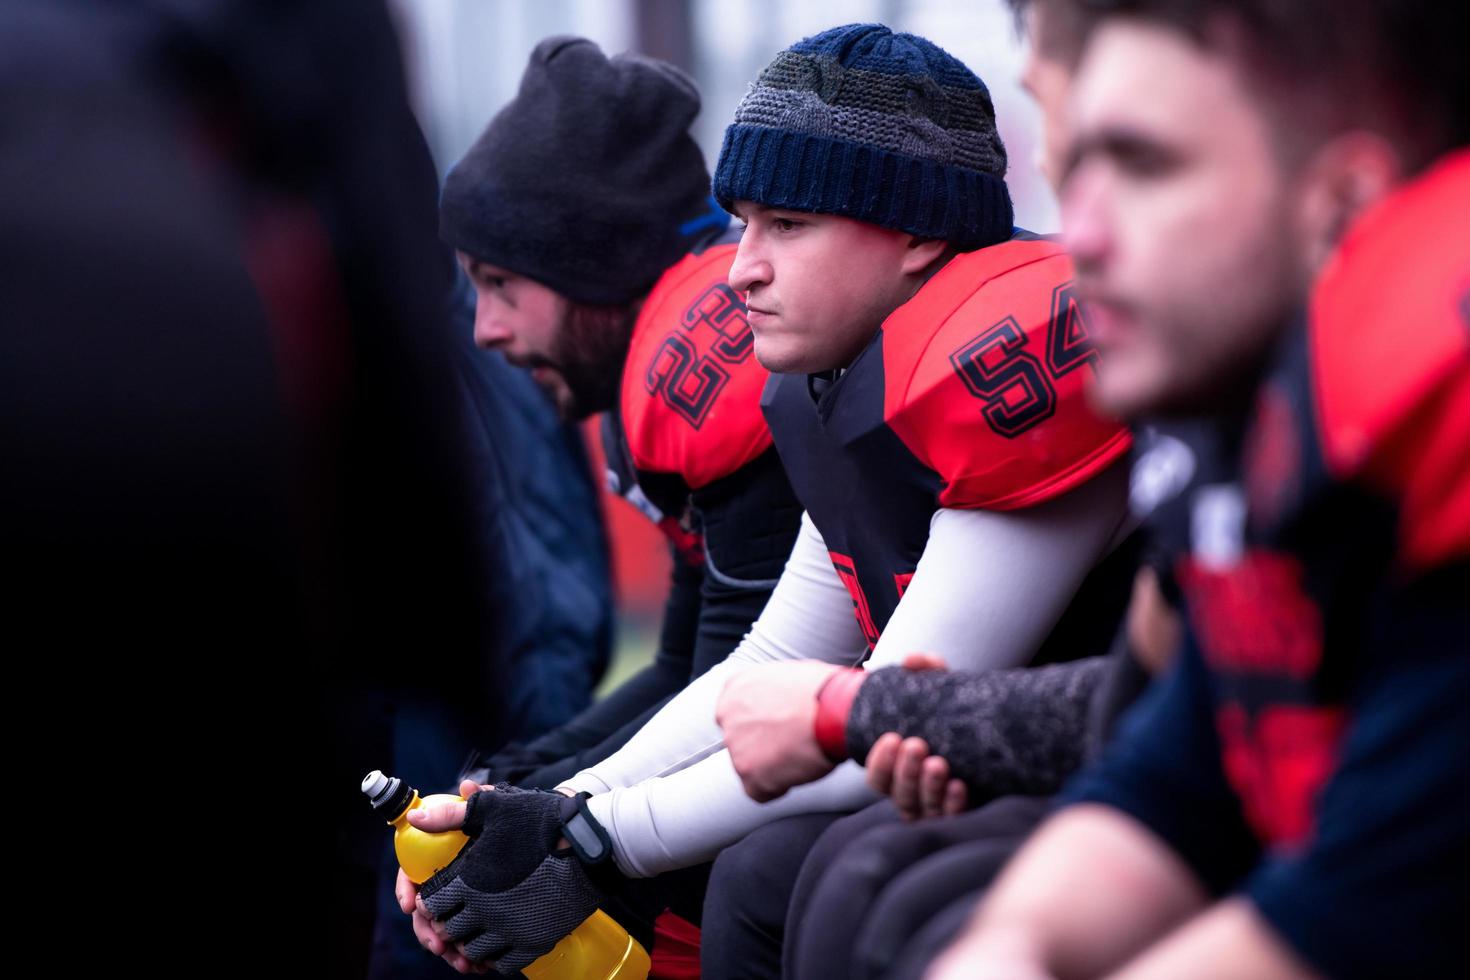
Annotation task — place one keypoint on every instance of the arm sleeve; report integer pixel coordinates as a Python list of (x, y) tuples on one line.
[(1382, 886), (750, 520), (551, 767), (1003, 732), (676, 800), (808, 616)]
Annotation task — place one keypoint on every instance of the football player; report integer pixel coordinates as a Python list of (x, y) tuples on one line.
[(583, 220), (1291, 800)]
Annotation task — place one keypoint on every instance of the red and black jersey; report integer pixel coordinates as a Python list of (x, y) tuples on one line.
[(689, 409), (1310, 748), (1356, 480), (970, 396)]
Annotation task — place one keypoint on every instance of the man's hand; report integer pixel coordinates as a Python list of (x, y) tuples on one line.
[(917, 782), (518, 887), (767, 713), (903, 769), (988, 957), (1153, 625), (431, 935), (1089, 890)]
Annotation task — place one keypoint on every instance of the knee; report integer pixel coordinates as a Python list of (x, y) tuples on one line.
[(740, 872), (874, 857)]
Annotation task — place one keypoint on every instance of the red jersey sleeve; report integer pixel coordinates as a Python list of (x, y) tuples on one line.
[(1389, 327), (984, 377), (691, 388)]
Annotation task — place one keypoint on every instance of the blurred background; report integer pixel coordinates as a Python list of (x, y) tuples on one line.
[(464, 59)]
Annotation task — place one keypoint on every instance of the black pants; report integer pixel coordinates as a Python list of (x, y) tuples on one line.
[(878, 894), (750, 887), (852, 895)]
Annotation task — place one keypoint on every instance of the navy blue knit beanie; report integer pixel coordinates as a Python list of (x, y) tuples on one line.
[(882, 127), (588, 181)]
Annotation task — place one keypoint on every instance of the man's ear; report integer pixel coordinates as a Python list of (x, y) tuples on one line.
[(1344, 177), (922, 253)]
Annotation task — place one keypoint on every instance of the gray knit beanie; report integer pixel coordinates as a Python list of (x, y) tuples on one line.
[(588, 181), (883, 127)]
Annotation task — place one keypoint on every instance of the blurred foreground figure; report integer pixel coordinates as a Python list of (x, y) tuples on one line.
[(1291, 800), (235, 494)]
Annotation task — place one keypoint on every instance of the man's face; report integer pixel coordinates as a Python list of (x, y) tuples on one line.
[(574, 353), (817, 285), (1177, 212)]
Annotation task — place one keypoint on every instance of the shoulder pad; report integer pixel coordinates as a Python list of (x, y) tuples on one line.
[(984, 375), (691, 387), (1389, 335)]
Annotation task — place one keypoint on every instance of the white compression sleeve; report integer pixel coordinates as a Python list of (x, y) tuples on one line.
[(986, 592), (809, 616)]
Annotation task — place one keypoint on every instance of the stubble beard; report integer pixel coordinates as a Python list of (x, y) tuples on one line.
[(592, 344)]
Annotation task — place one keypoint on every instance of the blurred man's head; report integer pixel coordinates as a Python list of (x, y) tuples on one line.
[(1056, 33), (859, 159), (577, 197), (1218, 151)]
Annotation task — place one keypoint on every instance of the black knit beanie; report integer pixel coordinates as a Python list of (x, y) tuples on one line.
[(886, 128), (588, 181)]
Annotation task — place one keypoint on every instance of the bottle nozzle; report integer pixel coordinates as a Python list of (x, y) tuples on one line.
[(374, 783), (388, 794)]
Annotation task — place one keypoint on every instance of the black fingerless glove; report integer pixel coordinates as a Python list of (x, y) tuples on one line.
[(511, 894)]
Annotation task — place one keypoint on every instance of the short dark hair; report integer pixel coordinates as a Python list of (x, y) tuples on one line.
[(1068, 24), (1400, 63)]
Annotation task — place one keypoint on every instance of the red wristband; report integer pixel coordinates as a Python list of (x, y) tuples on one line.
[(834, 703)]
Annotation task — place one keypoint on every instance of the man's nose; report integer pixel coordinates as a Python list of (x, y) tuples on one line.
[(1086, 228), (750, 267), (490, 332)]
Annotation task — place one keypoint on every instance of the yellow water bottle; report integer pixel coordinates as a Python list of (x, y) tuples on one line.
[(598, 949)]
